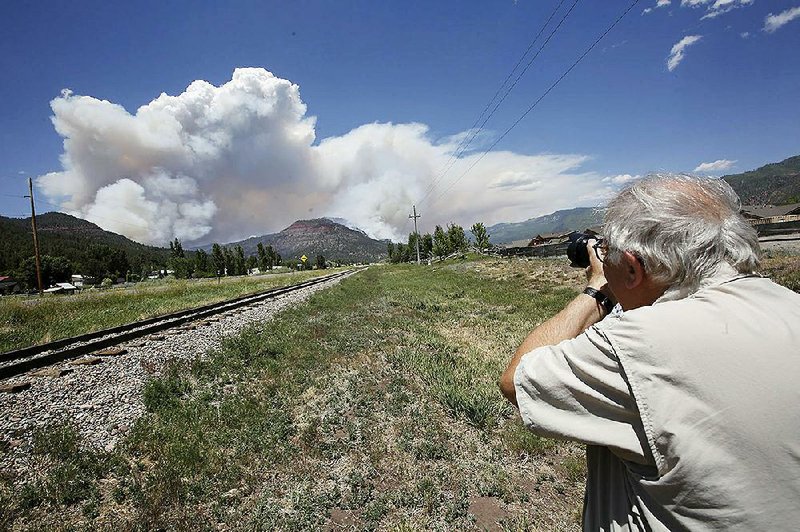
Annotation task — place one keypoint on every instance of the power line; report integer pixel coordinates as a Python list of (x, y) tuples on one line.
[(544, 94), (473, 132)]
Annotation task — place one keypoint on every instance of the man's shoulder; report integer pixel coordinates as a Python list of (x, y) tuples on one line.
[(743, 308), (735, 297)]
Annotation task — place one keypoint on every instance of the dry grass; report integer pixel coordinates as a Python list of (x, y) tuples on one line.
[(26, 321)]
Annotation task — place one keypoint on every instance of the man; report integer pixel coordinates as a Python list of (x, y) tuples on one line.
[(689, 399)]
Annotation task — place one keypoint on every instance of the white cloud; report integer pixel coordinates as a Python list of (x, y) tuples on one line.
[(621, 179), (773, 22), (659, 3), (720, 7), (677, 52), (719, 165), (221, 163), (715, 8), (744, 34)]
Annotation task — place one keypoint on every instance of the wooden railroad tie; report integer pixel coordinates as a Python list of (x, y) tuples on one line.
[(51, 372), (15, 387), (110, 352), (86, 361)]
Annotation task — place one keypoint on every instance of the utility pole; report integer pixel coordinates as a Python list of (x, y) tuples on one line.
[(415, 216), (35, 239)]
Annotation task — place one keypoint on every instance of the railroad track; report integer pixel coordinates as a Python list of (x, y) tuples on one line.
[(20, 361)]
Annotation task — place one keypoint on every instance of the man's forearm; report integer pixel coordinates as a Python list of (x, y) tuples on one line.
[(580, 314)]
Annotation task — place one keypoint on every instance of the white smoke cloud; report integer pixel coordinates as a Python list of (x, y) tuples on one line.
[(222, 163)]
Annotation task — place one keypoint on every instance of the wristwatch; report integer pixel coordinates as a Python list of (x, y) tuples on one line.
[(600, 297)]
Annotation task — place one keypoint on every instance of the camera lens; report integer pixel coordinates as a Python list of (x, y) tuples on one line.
[(577, 253)]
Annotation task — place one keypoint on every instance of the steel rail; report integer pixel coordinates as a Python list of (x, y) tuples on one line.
[(42, 355)]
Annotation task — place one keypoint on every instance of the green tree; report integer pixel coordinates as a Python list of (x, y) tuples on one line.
[(176, 249), (252, 263), (320, 262), (273, 258), (457, 237), (230, 261), (481, 236), (202, 266), (218, 258), (103, 261), (426, 246), (441, 242), (262, 258), (412, 246), (390, 251), (182, 268), (240, 266), (54, 270)]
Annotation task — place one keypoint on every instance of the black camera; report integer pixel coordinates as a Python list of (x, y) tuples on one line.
[(577, 252)]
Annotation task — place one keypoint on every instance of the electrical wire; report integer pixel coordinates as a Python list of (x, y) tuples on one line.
[(473, 131), (535, 103)]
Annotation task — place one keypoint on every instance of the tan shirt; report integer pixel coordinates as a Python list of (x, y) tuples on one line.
[(690, 409)]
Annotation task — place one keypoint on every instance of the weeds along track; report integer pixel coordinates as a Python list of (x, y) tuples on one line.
[(17, 362)]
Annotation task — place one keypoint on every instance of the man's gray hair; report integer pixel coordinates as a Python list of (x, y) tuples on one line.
[(682, 228)]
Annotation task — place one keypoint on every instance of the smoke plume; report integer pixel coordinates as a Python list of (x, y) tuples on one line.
[(222, 163)]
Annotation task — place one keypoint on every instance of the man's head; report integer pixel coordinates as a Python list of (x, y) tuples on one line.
[(674, 230)]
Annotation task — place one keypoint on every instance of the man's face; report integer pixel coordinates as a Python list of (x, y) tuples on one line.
[(630, 283), (616, 277)]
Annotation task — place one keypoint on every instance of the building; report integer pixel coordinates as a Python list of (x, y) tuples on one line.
[(61, 288), (771, 213), (8, 285)]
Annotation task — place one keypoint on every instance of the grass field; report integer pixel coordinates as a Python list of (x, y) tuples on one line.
[(26, 321), (372, 406)]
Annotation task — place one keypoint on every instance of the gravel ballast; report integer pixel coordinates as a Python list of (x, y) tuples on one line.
[(103, 400)]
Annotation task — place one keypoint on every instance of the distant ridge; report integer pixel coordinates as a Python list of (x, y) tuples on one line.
[(67, 236), (319, 236), (578, 218), (771, 184)]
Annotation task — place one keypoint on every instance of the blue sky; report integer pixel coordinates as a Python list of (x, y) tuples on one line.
[(732, 97)]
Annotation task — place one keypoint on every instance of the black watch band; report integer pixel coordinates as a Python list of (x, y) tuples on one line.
[(600, 297)]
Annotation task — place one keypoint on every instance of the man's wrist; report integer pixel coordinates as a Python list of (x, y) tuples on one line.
[(602, 299)]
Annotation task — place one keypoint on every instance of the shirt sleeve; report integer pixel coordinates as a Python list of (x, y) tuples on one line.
[(576, 390)]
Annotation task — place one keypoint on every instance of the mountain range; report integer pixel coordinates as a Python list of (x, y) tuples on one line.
[(578, 219), (320, 236), (63, 235), (771, 184), (67, 236)]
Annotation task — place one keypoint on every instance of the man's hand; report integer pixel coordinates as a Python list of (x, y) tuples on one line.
[(580, 314), (595, 277)]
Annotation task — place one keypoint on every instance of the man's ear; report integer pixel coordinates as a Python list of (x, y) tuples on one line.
[(634, 271)]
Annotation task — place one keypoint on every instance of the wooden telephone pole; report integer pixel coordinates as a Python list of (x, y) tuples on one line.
[(415, 216), (35, 238)]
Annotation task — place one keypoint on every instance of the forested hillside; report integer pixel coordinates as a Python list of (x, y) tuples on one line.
[(567, 220), (772, 184), (83, 243)]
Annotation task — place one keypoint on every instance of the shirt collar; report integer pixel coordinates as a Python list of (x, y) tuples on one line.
[(725, 272)]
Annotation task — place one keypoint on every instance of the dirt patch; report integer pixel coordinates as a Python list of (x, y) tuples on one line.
[(488, 512), (342, 520)]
